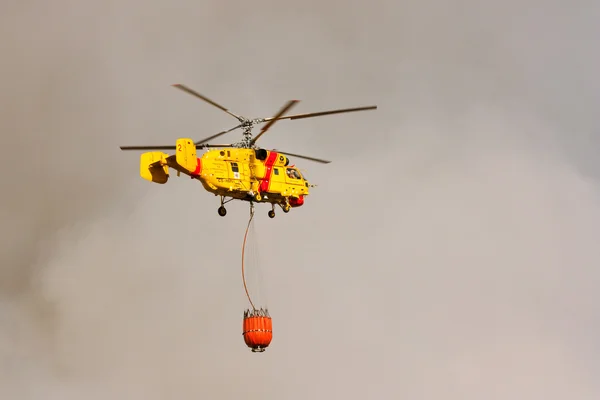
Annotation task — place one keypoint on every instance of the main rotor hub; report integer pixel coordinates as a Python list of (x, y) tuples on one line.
[(247, 125)]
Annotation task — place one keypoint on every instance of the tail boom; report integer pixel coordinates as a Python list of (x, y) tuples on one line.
[(154, 165)]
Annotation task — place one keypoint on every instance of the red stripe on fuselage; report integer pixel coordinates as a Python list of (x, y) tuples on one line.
[(198, 167), (266, 182)]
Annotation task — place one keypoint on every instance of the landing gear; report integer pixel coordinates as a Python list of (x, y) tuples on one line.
[(286, 207), (222, 210)]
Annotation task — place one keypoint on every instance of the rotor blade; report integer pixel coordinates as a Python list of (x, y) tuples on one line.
[(200, 146), (304, 157), (206, 99), (318, 114), (272, 120), (171, 147), (217, 135)]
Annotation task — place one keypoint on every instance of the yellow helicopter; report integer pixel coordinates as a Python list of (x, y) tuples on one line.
[(238, 171)]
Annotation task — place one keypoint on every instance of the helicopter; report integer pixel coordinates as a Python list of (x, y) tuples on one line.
[(238, 171)]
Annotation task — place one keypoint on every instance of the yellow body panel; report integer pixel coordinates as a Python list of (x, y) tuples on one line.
[(278, 179), (238, 173)]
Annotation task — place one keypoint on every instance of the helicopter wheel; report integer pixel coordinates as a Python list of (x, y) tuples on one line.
[(222, 211), (257, 197), (286, 208), (271, 213)]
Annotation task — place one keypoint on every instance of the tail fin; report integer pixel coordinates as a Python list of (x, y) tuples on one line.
[(186, 154), (153, 167)]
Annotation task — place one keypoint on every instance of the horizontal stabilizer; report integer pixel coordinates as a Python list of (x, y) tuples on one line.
[(153, 167)]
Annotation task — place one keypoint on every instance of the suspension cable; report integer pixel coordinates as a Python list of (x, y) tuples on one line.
[(243, 249)]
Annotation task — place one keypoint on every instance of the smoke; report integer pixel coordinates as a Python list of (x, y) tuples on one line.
[(448, 251)]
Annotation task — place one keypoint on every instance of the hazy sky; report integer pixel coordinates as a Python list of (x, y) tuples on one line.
[(449, 251)]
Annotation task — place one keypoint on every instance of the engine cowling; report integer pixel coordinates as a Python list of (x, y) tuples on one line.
[(262, 155)]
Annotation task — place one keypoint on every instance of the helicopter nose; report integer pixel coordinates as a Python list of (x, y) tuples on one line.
[(297, 201)]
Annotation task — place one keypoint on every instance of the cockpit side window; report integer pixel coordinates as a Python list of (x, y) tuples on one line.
[(293, 173)]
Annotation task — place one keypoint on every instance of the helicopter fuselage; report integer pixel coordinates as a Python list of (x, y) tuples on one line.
[(256, 175)]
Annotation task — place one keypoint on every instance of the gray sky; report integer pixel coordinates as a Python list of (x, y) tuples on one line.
[(448, 252)]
